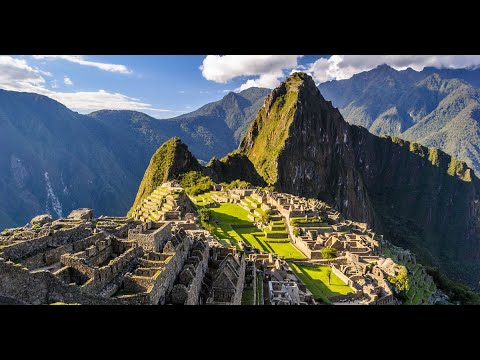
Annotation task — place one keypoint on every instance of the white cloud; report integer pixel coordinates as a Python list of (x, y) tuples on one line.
[(345, 66), (80, 59), (67, 81), (266, 81), (17, 75), (268, 68)]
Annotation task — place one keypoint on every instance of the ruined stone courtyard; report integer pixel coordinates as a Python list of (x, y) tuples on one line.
[(161, 255)]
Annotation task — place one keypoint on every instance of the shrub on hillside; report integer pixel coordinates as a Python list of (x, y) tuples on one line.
[(237, 184), (329, 253), (205, 214), (400, 280), (195, 183)]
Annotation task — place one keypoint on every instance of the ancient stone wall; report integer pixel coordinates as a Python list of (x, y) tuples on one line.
[(24, 249), (153, 239), (342, 276), (53, 256), (237, 299), (163, 284), (41, 287), (196, 284)]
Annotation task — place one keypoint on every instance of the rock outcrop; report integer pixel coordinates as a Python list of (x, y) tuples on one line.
[(41, 220), (232, 167), (81, 214), (300, 144)]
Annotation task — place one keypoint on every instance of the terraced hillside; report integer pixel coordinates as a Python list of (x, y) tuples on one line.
[(164, 201), (234, 226), (421, 285)]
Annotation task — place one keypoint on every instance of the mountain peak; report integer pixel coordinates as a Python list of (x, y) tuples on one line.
[(171, 159), (294, 135), (384, 67)]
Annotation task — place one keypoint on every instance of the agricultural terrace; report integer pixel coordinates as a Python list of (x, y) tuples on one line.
[(233, 225)]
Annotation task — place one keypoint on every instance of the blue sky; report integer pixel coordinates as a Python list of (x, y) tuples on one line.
[(167, 85)]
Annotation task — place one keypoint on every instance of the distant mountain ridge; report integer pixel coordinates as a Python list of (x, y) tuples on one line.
[(54, 160), (434, 107)]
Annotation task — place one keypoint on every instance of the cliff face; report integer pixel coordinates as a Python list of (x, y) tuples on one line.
[(170, 160), (300, 144), (418, 197), (232, 167), (425, 200)]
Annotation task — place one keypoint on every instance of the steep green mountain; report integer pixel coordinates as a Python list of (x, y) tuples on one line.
[(434, 107), (300, 145), (419, 197), (55, 160), (170, 160), (51, 162)]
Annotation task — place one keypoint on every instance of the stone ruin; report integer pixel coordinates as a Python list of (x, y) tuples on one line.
[(116, 260), (160, 255)]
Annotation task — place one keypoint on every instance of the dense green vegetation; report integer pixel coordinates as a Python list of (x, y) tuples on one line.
[(329, 253), (317, 280), (456, 292), (205, 214), (400, 280), (195, 183), (237, 184), (273, 131)]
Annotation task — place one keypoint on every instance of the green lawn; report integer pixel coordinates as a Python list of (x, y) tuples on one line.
[(231, 214), (259, 289), (247, 296), (316, 280), (252, 237)]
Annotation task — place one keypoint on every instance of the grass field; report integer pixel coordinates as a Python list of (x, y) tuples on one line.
[(229, 214), (316, 280)]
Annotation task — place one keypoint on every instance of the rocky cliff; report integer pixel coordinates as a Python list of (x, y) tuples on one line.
[(419, 197), (232, 167), (300, 144)]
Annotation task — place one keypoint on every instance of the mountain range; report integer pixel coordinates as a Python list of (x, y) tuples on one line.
[(434, 107), (418, 197), (54, 160)]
